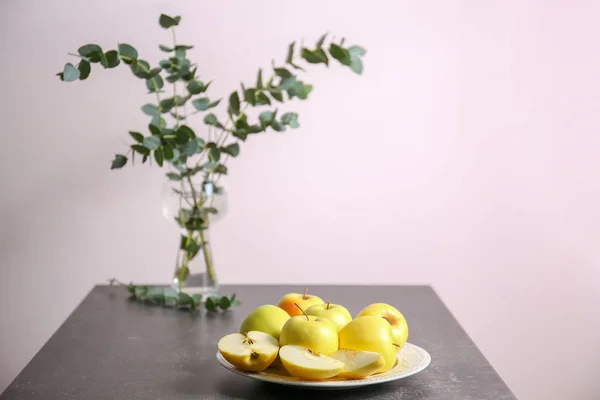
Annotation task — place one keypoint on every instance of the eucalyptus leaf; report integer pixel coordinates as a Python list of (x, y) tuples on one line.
[(152, 142), (233, 149), (250, 96), (119, 161), (266, 117), (127, 53), (91, 52), (291, 119), (155, 130), (167, 22), (262, 99), (191, 148), (214, 154), (321, 41), (155, 83), (138, 137), (174, 176), (167, 104), (165, 48), (167, 152), (283, 72), (357, 51), (201, 104), (150, 109), (197, 87), (259, 81), (140, 149), (290, 54), (70, 73), (234, 103), (84, 69), (211, 119), (158, 156)]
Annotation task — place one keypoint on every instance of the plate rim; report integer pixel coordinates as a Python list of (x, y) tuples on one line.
[(333, 384)]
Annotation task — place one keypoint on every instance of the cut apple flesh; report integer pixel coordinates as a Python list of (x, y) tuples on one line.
[(254, 351), (303, 363), (358, 364)]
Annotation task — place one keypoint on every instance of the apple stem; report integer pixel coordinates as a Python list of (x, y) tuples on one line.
[(327, 306), (304, 295), (397, 345), (306, 315)]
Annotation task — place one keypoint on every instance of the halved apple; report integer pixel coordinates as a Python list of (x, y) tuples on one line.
[(253, 351), (306, 364), (358, 364)]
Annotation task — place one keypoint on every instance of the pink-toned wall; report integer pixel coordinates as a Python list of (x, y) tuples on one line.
[(465, 157)]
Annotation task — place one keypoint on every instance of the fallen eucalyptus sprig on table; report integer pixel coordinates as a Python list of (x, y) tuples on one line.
[(168, 297)]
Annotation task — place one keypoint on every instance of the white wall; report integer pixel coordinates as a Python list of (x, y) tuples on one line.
[(465, 157)]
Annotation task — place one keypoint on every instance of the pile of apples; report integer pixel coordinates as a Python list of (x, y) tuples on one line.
[(314, 340)]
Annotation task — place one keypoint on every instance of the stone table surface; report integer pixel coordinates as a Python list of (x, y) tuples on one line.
[(114, 348)]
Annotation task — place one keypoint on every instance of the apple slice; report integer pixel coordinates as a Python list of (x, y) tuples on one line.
[(358, 364), (306, 364), (253, 351)]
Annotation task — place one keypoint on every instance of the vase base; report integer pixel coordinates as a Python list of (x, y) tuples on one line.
[(196, 284)]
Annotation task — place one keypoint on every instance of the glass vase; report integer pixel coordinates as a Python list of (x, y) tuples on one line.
[(194, 205)]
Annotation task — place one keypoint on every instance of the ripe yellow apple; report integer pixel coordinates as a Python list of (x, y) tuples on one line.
[(268, 319), (314, 333), (391, 315), (289, 301), (337, 314), (370, 334), (358, 364), (303, 363), (254, 351)]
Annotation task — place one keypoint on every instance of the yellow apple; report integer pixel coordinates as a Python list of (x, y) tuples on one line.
[(314, 333), (337, 314), (391, 315), (370, 334), (254, 351), (306, 364), (268, 319), (358, 364), (304, 300)]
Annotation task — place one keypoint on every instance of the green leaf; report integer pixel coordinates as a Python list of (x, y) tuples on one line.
[(167, 104), (138, 137), (165, 64), (165, 48), (357, 51), (211, 119), (283, 72), (91, 52), (214, 154), (184, 134), (263, 99), (119, 161), (201, 104), (155, 84), (299, 89), (321, 41), (70, 73), (140, 149), (158, 156), (158, 121), (167, 152), (150, 109), (290, 54), (154, 72), (221, 169), (84, 69), (235, 302), (111, 59), (191, 148), (140, 68), (166, 22), (340, 54), (179, 52), (155, 130), (291, 119), (224, 302), (267, 117), (315, 57), (210, 165), (277, 95), (152, 142), (278, 126), (233, 149), (234, 103), (259, 81), (250, 96), (197, 87), (241, 134), (356, 65), (210, 304), (174, 176), (127, 53)]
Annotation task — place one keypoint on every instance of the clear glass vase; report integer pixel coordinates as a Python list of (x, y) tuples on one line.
[(194, 205)]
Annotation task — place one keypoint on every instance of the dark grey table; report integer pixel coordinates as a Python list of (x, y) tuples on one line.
[(112, 348)]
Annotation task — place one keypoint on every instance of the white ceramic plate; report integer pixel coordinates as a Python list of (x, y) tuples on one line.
[(411, 360)]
